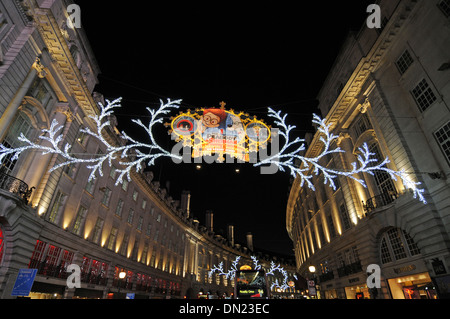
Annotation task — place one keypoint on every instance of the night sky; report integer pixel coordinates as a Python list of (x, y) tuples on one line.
[(270, 54)]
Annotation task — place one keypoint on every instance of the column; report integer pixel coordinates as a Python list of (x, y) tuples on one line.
[(13, 106)]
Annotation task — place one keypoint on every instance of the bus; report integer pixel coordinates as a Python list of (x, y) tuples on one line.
[(251, 284)]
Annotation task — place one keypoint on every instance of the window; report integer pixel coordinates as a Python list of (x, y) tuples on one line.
[(139, 224), (112, 173), (361, 124), (125, 184), (41, 92), (23, 125), (404, 62), (382, 179), (385, 254), (396, 244), (144, 254), (38, 254), (97, 230), (56, 207), (79, 220), (412, 246), (331, 228), (423, 95), (149, 229), (144, 204), (124, 246), (344, 216), (90, 186), (82, 138), (443, 138), (112, 238), (106, 196), (135, 195), (119, 208), (444, 5), (130, 216)]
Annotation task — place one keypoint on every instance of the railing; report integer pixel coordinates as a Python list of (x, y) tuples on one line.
[(349, 269), (15, 186), (379, 201), (49, 270), (326, 276)]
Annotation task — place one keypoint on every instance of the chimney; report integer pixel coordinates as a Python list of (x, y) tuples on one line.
[(186, 202), (250, 241), (230, 234), (209, 220)]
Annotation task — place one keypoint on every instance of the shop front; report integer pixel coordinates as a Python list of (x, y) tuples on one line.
[(410, 280), (417, 286)]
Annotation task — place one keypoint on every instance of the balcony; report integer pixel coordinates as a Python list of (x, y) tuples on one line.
[(326, 277), (349, 269), (15, 186), (379, 201)]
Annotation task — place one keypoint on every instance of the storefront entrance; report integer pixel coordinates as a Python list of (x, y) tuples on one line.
[(418, 286)]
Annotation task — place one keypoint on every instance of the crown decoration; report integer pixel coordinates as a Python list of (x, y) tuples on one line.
[(219, 131)]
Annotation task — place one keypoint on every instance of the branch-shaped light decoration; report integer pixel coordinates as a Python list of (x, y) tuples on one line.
[(53, 136), (230, 274), (284, 159)]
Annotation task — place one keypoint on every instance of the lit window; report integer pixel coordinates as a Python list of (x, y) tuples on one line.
[(57, 207), (79, 220), (112, 238), (396, 244), (423, 95)]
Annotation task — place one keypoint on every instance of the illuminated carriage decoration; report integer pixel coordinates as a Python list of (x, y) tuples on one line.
[(219, 131)]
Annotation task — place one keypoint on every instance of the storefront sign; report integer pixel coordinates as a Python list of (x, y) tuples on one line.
[(438, 267), (24, 282), (405, 269)]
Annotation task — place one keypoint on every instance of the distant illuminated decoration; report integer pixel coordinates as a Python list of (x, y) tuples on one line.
[(219, 131), (230, 274)]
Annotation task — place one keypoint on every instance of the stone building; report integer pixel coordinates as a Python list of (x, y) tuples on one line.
[(388, 88), (50, 220)]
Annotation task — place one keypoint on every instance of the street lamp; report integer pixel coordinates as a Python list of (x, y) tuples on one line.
[(122, 275), (312, 270)]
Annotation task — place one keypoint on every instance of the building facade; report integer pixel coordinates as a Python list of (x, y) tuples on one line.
[(388, 88), (50, 220)]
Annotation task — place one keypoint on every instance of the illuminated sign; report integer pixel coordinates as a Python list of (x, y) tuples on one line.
[(219, 131)]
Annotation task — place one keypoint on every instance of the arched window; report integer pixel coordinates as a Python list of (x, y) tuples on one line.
[(2, 244), (21, 124), (382, 179), (396, 244)]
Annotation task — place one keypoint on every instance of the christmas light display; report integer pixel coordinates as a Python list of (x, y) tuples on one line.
[(245, 133), (221, 132), (284, 159), (230, 274), (95, 164)]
